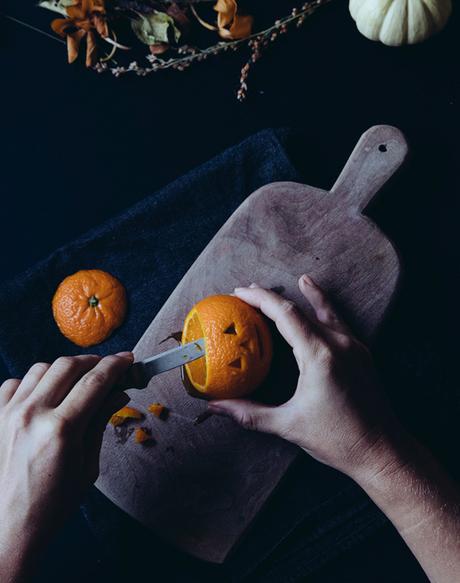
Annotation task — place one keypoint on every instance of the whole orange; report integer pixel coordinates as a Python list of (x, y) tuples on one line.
[(88, 306), (238, 347)]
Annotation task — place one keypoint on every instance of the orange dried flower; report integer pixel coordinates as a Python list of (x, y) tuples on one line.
[(123, 414), (86, 18), (230, 24)]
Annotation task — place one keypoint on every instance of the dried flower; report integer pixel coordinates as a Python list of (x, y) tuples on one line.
[(86, 18), (230, 24)]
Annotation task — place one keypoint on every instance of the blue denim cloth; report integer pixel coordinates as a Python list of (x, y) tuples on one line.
[(149, 248)]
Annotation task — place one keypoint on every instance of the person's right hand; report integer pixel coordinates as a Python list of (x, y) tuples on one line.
[(338, 413), (51, 427)]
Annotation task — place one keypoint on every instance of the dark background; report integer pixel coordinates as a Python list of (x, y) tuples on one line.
[(78, 147)]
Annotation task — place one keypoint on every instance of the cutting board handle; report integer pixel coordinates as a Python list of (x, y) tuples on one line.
[(379, 153)]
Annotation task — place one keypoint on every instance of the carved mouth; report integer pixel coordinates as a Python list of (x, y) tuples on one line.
[(196, 370)]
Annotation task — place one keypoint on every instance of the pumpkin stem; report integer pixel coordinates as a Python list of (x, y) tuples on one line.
[(93, 301)]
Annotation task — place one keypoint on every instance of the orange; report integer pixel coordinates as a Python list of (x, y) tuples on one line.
[(88, 306), (238, 347)]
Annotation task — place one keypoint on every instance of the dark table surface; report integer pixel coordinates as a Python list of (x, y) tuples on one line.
[(77, 147)]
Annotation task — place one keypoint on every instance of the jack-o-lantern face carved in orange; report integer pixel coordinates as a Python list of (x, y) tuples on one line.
[(238, 347)]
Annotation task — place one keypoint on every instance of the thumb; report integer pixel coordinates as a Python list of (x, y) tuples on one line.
[(248, 414)]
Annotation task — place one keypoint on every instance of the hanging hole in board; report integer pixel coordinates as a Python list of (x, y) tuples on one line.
[(382, 148)]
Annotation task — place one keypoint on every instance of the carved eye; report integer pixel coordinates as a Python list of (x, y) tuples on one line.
[(235, 363), (230, 329)]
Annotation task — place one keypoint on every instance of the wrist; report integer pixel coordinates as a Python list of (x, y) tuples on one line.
[(404, 479), (18, 545), (384, 456), (12, 557)]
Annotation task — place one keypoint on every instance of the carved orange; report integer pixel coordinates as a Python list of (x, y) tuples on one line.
[(88, 306), (238, 347)]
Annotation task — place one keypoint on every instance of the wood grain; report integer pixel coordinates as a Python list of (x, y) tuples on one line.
[(200, 487)]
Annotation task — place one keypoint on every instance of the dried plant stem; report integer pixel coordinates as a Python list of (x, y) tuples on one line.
[(257, 42)]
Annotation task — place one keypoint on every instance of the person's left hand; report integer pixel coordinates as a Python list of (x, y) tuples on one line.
[(51, 427)]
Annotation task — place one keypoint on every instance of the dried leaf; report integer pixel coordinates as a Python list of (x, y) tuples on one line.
[(101, 26), (155, 28), (60, 26), (73, 44), (203, 23), (241, 28), (226, 12), (230, 24), (159, 48), (179, 15), (91, 48), (136, 6), (84, 18), (58, 6)]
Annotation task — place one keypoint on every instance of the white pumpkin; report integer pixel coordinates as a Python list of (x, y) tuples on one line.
[(398, 22)]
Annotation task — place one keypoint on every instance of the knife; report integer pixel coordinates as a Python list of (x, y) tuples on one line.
[(140, 373)]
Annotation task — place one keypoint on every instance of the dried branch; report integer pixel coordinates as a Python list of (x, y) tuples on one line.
[(186, 55)]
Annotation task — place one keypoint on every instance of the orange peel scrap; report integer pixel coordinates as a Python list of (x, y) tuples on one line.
[(158, 410), (124, 414), (142, 435)]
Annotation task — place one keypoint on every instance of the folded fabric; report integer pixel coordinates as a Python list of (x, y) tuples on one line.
[(149, 248)]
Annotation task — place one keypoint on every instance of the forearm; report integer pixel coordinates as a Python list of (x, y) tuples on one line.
[(21, 542), (420, 499), (16, 556), (339, 414)]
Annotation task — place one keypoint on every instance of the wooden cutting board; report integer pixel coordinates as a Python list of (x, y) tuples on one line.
[(200, 487)]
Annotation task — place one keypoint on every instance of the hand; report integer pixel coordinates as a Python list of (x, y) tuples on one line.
[(340, 416), (51, 427), (338, 413)]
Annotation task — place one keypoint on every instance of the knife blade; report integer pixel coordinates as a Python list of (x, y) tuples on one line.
[(140, 373)]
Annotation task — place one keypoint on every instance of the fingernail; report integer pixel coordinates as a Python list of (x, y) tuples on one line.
[(128, 355), (307, 279)]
